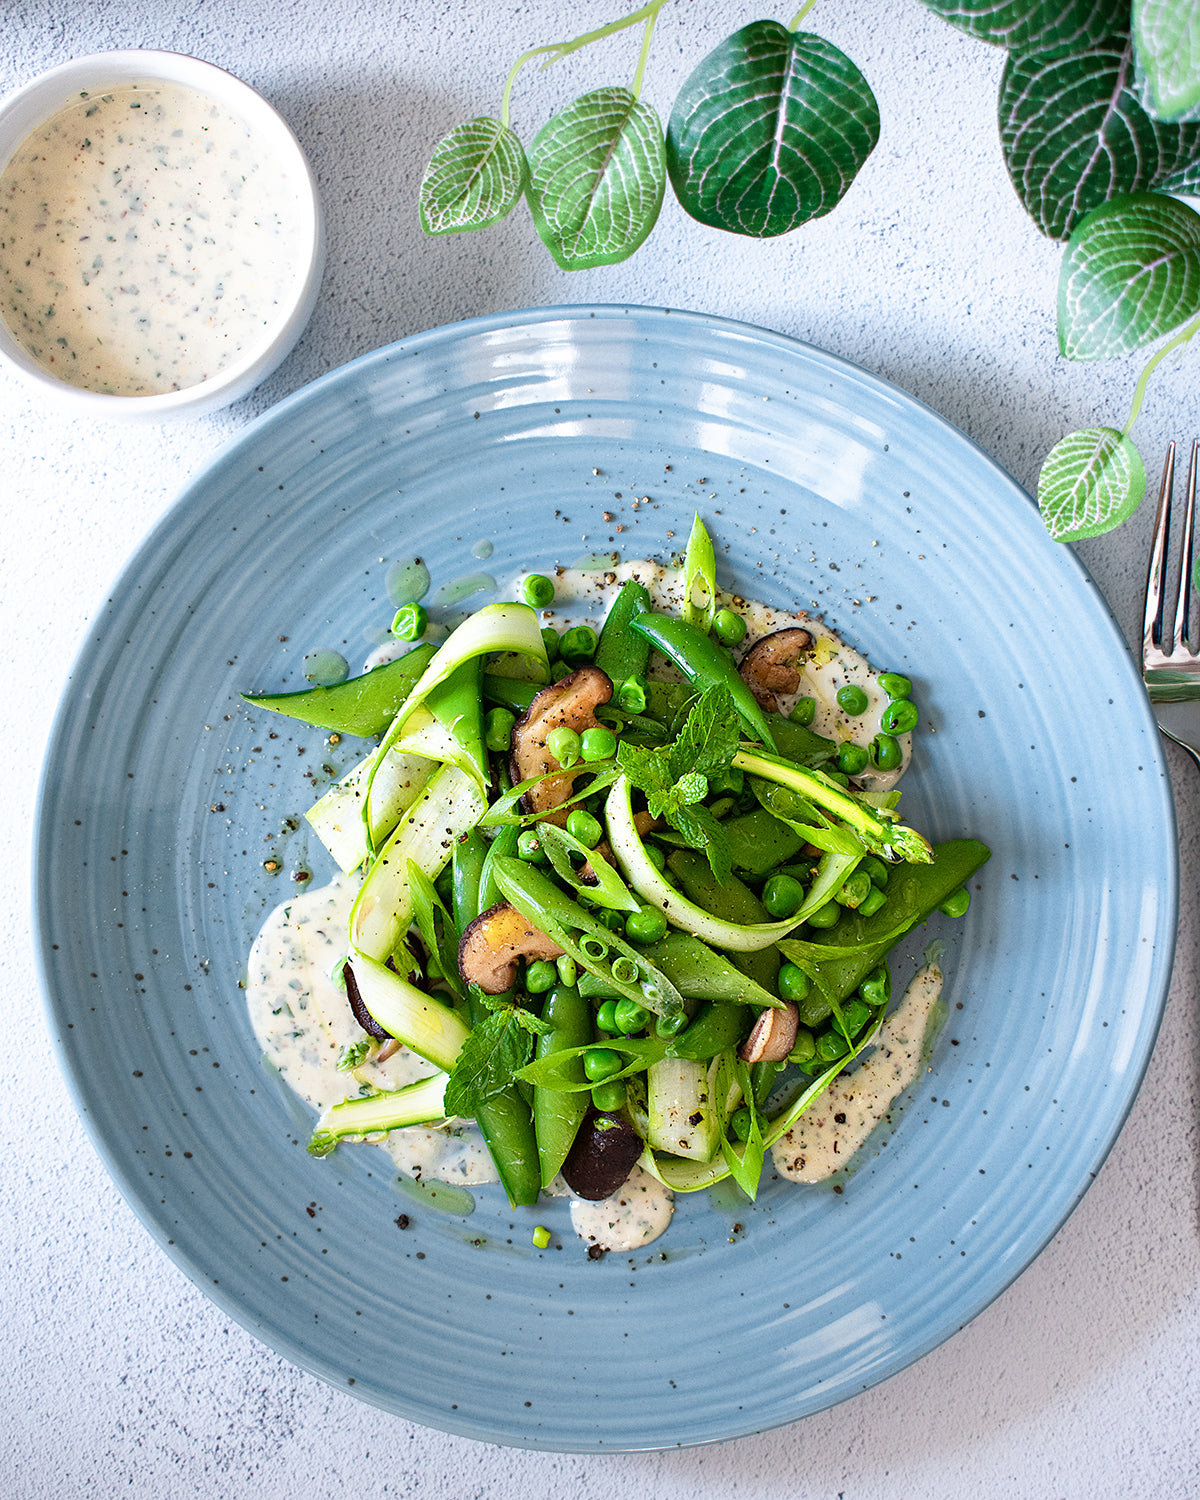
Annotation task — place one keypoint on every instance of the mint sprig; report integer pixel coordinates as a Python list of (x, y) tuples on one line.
[(498, 1047), (675, 778)]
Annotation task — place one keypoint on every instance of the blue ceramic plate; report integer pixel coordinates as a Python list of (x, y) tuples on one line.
[(528, 438)]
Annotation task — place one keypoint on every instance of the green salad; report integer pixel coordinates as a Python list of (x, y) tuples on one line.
[(616, 889)]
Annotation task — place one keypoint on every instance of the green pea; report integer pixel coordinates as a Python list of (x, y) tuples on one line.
[(563, 744), (600, 1063), (668, 1026), (804, 1050), (657, 856), (540, 976), (872, 901), (886, 754), (631, 695), (610, 1096), (782, 896), (613, 920), (825, 916), (875, 868), (729, 627), (529, 847), (831, 1045), (598, 743), (578, 644), (646, 925), (856, 1015), (550, 641), (410, 622), (855, 889), (498, 728), (876, 988), (606, 1019), (739, 1122), (582, 826), (852, 699), (794, 983), (630, 1016), (899, 716), (804, 711), (894, 685), (538, 591), (568, 970), (541, 1237), (956, 903), (852, 758)]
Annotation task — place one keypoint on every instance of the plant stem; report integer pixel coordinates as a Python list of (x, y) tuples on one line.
[(648, 13), (794, 23), (636, 88), (1139, 393)]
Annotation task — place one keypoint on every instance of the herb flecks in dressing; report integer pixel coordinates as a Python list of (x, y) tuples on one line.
[(840, 1121), (146, 239)]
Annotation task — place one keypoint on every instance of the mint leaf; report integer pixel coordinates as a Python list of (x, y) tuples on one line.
[(1091, 481), (1131, 273), (709, 738), (474, 178), (692, 787), (769, 131), (597, 174), (1166, 37), (497, 1047)]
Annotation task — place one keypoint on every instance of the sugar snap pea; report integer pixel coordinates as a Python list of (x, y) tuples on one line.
[(363, 705), (705, 664), (558, 1113)]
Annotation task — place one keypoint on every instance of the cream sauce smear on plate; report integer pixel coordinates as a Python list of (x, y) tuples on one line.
[(145, 240)]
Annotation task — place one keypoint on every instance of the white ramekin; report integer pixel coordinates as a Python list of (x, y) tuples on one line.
[(29, 106)]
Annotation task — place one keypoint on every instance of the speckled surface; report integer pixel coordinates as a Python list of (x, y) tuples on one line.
[(1082, 1378)]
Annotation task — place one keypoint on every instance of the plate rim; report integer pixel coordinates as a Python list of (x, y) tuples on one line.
[(75, 689)]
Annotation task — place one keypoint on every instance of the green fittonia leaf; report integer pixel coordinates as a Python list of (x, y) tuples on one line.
[(474, 178), (769, 131), (1091, 482), (1074, 134), (1167, 50), (1026, 25), (597, 174), (1131, 273)]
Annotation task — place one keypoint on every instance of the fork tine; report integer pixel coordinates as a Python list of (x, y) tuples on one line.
[(1153, 620), (1182, 601)]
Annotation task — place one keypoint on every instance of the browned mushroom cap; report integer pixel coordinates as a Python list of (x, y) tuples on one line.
[(774, 1035), (769, 667), (492, 944), (572, 702)]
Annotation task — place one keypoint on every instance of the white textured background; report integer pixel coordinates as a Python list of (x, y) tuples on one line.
[(1083, 1379)]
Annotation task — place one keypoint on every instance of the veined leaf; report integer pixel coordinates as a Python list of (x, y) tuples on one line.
[(1075, 135), (1029, 25), (1131, 273), (769, 131), (1166, 36), (597, 174), (1091, 482), (474, 178)]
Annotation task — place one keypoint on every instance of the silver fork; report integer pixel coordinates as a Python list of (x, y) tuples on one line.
[(1172, 677)]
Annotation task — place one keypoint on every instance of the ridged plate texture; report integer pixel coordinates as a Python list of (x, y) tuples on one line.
[(533, 434)]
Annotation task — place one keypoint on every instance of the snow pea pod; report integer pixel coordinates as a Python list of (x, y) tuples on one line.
[(705, 664), (718, 1027), (697, 971), (841, 957), (620, 653), (759, 842), (558, 1113), (589, 942), (363, 705), (509, 692), (731, 900), (467, 865)]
